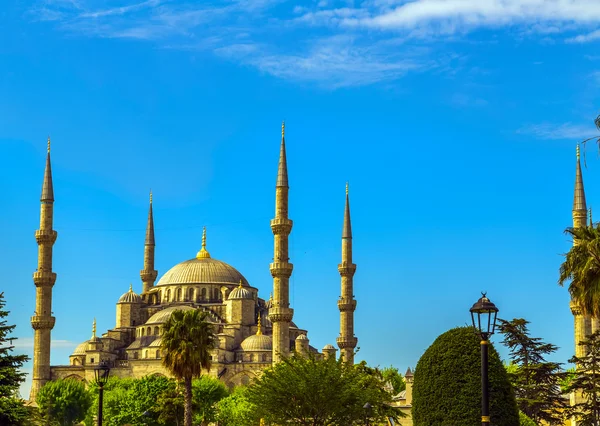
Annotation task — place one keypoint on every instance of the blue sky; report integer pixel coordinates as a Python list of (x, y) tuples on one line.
[(454, 121)]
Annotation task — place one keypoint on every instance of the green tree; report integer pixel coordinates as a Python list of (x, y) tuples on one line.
[(447, 384), (187, 340), (170, 406), (310, 391), (524, 420), (12, 409), (206, 393), (535, 380), (237, 410), (392, 376), (581, 268), (63, 402), (586, 383)]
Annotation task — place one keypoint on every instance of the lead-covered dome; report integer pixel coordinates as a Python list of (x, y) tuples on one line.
[(257, 342), (80, 349), (240, 293), (130, 297), (163, 315)]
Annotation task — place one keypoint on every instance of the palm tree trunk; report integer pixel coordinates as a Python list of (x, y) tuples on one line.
[(187, 405)]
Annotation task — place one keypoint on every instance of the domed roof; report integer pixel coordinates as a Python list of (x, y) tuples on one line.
[(329, 346), (163, 315), (130, 297), (240, 293), (302, 337), (202, 270), (258, 342), (80, 349)]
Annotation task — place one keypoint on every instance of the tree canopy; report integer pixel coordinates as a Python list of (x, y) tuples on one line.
[(63, 402), (393, 377), (12, 410), (447, 384), (237, 410), (311, 391), (585, 383), (187, 340)]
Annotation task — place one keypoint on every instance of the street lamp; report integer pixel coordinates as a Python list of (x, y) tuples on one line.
[(368, 409), (101, 372), (483, 314)]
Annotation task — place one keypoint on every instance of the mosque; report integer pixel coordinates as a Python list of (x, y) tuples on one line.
[(252, 332)]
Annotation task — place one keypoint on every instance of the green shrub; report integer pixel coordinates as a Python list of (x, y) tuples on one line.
[(447, 384), (524, 420)]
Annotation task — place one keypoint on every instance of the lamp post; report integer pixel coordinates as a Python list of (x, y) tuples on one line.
[(368, 408), (101, 372), (483, 314)]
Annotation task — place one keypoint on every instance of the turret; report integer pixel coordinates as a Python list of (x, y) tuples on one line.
[(42, 321), (408, 379), (346, 304), (329, 351), (301, 344), (148, 274), (240, 306), (128, 309), (280, 313)]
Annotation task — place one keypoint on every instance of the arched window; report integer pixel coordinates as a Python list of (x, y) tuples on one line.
[(156, 331), (191, 294), (91, 360), (203, 294), (142, 332), (158, 354), (245, 380), (179, 294), (149, 332), (168, 295), (251, 357), (216, 294), (135, 355), (264, 357)]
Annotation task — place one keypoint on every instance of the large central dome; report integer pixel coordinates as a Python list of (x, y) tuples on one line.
[(202, 271)]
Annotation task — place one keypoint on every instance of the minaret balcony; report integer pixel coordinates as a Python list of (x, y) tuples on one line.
[(148, 275), (280, 314), (345, 305), (44, 278), (45, 236), (346, 269), (281, 269), (281, 226), (575, 309), (346, 342), (39, 322)]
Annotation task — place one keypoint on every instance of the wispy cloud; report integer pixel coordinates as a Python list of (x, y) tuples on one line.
[(27, 343), (551, 131), (585, 38)]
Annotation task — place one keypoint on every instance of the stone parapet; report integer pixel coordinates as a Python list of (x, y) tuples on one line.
[(347, 269), (39, 322), (44, 278), (346, 305), (346, 342), (281, 314), (281, 269), (43, 236), (281, 226)]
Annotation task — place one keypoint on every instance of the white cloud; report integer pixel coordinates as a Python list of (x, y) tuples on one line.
[(585, 38), (27, 343), (559, 131)]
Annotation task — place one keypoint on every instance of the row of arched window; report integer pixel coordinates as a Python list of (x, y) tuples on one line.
[(186, 295), (147, 331)]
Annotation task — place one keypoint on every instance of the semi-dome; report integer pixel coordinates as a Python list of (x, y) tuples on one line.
[(80, 349), (240, 293), (302, 337), (202, 269), (163, 315), (258, 342), (130, 297)]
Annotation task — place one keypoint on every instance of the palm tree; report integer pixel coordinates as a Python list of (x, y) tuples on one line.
[(187, 340), (582, 268)]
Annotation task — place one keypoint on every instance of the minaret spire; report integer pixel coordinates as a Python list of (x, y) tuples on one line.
[(280, 312), (346, 304), (579, 205), (148, 274), (203, 253), (42, 321)]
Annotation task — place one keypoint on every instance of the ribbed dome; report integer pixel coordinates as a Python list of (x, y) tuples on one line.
[(258, 342), (329, 346), (302, 337), (203, 270), (80, 349), (240, 293), (162, 316), (130, 297)]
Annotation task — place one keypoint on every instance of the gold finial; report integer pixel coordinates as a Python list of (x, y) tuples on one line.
[(48, 144), (577, 151), (259, 329), (240, 283), (130, 287), (271, 296), (151, 196), (94, 329), (203, 254), (346, 188), (283, 129)]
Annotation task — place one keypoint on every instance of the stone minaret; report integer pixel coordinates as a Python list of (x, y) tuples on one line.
[(42, 321), (280, 313), (148, 274), (347, 342), (583, 324)]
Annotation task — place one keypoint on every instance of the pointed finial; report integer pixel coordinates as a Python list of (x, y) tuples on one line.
[(577, 151), (283, 129), (259, 329), (240, 283), (151, 196), (203, 254), (94, 328), (130, 287), (271, 296), (346, 188), (48, 144)]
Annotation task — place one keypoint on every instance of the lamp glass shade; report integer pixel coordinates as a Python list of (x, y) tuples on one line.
[(101, 372), (483, 315)]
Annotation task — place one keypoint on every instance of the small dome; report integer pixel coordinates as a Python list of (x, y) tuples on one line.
[(302, 337), (258, 342), (240, 293), (80, 349), (130, 297), (162, 316), (329, 347)]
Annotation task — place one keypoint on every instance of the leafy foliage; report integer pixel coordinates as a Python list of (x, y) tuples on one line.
[(586, 383), (63, 402), (524, 420), (12, 410), (535, 380), (311, 391), (237, 410), (206, 392), (187, 340), (447, 384), (581, 268), (392, 376)]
